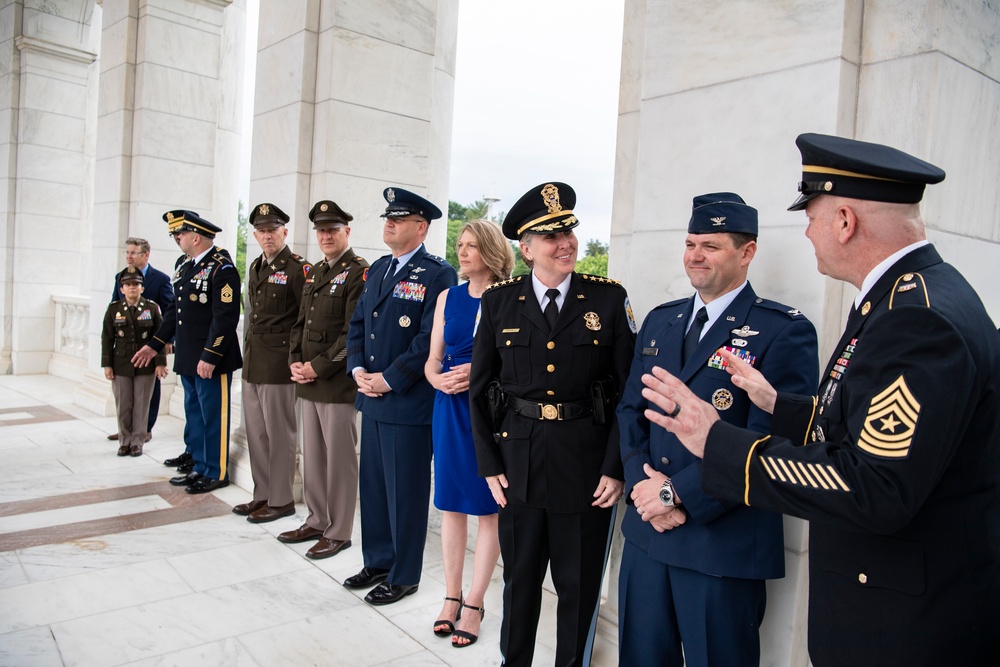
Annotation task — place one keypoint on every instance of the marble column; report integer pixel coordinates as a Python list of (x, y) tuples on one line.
[(47, 79), (713, 94)]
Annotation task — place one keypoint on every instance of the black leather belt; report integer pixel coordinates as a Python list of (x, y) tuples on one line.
[(549, 411)]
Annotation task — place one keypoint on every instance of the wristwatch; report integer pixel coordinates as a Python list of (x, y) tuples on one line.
[(667, 494)]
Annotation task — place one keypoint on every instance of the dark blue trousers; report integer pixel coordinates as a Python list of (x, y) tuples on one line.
[(395, 483), (206, 428), (154, 405)]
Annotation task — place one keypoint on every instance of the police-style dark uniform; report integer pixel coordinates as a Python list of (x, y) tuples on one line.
[(390, 333), (549, 444), (125, 329), (329, 418), (203, 326), (156, 288), (273, 293), (714, 565), (896, 461)]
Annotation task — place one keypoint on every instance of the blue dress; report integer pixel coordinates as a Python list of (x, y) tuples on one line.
[(457, 484)]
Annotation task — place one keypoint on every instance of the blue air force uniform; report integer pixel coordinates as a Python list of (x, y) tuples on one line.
[(390, 333), (203, 326), (714, 565), (896, 460)]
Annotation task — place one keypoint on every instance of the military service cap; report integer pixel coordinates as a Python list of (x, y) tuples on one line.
[(722, 212), (403, 202), (189, 221), (543, 209), (860, 170), (267, 216), (326, 214), (130, 274)]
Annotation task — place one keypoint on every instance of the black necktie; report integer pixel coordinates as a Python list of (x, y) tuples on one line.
[(392, 269), (551, 308), (694, 333)]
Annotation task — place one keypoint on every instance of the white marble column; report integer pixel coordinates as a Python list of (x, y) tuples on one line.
[(47, 76), (713, 94)]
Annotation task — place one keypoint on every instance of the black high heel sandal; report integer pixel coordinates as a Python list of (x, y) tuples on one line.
[(468, 635), (451, 624)]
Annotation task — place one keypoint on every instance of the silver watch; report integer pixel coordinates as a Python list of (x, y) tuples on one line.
[(667, 494)]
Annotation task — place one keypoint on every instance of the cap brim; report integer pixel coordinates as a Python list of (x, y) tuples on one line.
[(800, 203), (328, 224)]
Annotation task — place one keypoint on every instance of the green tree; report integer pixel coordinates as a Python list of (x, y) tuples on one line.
[(242, 225), (458, 215), (595, 261)]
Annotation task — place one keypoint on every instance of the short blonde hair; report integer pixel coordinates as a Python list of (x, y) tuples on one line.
[(493, 248)]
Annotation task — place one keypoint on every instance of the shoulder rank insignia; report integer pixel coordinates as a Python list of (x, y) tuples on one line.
[(905, 284), (226, 294), (891, 422)]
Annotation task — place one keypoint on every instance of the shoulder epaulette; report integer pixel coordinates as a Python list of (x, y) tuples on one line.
[(504, 283), (779, 307), (438, 260), (599, 279), (670, 304), (909, 290), (300, 259)]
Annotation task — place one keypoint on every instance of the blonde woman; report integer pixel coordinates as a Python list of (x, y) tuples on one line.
[(484, 257)]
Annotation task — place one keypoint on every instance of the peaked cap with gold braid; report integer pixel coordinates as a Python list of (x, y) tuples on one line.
[(543, 209)]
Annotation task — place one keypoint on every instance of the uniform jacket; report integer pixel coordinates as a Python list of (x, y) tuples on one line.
[(319, 336), (551, 464), (390, 332), (156, 288), (896, 463), (720, 538), (126, 330), (203, 324), (273, 293)]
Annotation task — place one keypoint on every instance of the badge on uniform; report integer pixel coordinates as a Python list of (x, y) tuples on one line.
[(722, 399), (119, 317), (744, 332), (364, 276), (404, 321), (718, 362), (592, 320), (226, 294), (409, 291), (628, 314), (203, 298), (278, 278), (340, 278), (145, 315)]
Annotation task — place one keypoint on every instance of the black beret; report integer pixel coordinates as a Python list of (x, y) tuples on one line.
[(267, 215), (860, 170), (326, 212), (722, 212), (181, 220), (403, 202), (543, 209)]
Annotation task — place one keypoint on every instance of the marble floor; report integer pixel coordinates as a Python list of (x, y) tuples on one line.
[(104, 563)]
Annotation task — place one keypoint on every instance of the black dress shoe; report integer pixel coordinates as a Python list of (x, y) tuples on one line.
[(206, 484), (179, 460), (186, 467), (386, 593), (184, 480), (366, 578)]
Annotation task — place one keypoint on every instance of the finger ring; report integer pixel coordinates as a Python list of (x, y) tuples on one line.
[(676, 411)]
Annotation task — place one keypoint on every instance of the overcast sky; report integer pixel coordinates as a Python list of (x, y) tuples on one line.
[(536, 99)]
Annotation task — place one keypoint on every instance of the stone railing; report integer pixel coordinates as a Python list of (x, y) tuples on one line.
[(72, 322)]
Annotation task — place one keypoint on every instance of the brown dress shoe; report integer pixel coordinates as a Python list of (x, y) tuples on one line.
[(244, 509), (113, 436), (123, 450), (303, 533), (268, 513), (327, 547), (135, 450)]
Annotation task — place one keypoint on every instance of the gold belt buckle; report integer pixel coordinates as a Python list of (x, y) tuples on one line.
[(549, 411)]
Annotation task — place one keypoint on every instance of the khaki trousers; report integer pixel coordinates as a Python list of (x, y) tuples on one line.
[(132, 402), (269, 414), (330, 467)]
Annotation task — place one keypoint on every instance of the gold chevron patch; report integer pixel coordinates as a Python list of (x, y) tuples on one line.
[(226, 295), (892, 419)]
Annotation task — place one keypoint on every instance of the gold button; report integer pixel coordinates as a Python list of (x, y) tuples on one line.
[(550, 368), (550, 392), (595, 342), (863, 578), (551, 345), (508, 343), (504, 434)]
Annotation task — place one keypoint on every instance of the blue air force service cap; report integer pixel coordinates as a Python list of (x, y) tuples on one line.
[(268, 216), (543, 209), (403, 202), (189, 221), (719, 212), (860, 170), (326, 213)]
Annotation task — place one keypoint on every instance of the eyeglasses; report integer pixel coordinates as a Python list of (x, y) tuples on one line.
[(129, 253)]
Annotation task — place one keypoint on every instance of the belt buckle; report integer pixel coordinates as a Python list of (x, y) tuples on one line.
[(549, 411)]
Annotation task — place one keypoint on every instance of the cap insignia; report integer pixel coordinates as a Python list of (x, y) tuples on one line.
[(390, 195), (718, 221), (324, 208), (170, 217), (263, 209), (550, 197)]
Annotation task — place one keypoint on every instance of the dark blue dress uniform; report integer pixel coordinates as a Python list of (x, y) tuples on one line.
[(896, 461), (722, 539), (390, 333), (550, 446), (203, 326)]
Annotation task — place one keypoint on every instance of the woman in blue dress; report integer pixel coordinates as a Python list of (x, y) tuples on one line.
[(485, 257)]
